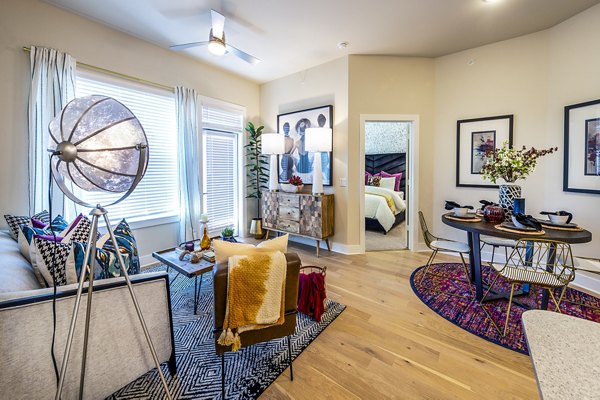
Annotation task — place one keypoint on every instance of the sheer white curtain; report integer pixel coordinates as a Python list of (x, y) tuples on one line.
[(52, 87), (186, 105)]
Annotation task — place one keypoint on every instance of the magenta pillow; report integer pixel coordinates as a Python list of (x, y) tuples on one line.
[(36, 223), (398, 177), (367, 176), (49, 238)]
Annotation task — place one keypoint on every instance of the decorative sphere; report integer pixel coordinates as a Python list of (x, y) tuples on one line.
[(98, 143)]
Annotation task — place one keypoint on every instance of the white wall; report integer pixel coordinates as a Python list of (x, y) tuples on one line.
[(31, 22), (321, 85)]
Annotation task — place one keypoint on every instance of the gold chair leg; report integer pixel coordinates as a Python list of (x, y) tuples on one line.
[(489, 288), (482, 305), (467, 273), (557, 303), (512, 291), (429, 262)]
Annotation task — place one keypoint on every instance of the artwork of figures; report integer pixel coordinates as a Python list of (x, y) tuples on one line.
[(481, 143), (296, 160), (592, 148)]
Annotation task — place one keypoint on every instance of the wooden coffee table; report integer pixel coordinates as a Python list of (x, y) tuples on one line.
[(170, 257)]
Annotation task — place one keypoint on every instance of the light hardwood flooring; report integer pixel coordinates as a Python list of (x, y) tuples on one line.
[(389, 345)]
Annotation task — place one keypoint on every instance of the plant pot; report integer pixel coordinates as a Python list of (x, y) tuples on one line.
[(256, 229), (229, 238), (507, 194)]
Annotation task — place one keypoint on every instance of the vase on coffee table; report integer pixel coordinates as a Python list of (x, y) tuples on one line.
[(507, 194)]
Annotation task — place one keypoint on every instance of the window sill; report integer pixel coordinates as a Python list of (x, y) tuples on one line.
[(146, 223)]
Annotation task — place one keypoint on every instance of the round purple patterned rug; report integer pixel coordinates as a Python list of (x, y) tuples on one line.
[(445, 290)]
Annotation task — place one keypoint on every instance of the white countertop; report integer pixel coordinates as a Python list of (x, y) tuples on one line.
[(565, 352)]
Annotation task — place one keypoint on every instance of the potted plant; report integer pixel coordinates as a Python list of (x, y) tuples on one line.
[(256, 174), (227, 234), (294, 185), (510, 164)]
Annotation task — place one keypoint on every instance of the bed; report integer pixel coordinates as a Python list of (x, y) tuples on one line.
[(380, 215)]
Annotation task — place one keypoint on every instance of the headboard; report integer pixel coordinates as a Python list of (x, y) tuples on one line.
[(392, 163)]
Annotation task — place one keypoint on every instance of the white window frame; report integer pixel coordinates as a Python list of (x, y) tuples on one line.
[(241, 181), (144, 222)]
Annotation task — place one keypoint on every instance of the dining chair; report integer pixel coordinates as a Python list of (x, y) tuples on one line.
[(495, 243), (437, 244), (545, 263)]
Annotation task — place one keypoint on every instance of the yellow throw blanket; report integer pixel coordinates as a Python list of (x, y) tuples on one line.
[(255, 295)]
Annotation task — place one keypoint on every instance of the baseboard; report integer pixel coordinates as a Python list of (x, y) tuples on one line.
[(147, 260), (335, 247)]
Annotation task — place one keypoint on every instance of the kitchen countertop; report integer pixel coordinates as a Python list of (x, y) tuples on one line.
[(565, 352)]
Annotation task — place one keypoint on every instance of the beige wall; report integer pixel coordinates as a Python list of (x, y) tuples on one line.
[(30, 22), (533, 77), (389, 85), (322, 85)]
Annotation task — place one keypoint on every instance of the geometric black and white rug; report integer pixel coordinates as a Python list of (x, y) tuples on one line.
[(248, 372)]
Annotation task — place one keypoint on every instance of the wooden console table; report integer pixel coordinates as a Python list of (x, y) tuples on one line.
[(300, 214)]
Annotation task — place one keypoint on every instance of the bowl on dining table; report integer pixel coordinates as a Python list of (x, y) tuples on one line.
[(460, 211), (517, 223), (558, 219)]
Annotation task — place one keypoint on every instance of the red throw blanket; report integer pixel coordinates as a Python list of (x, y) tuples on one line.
[(311, 295)]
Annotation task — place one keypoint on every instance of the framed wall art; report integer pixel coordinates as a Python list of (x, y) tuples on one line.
[(474, 138), (296, 160), (582, 148)]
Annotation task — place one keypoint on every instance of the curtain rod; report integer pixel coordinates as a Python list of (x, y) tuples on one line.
[(120, 75)]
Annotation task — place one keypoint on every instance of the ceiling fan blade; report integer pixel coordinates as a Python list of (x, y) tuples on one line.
[(218, 24), (178, 47), (244, 56)]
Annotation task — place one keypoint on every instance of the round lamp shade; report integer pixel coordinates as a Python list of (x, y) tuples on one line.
[(272, 143), (318, 140), (99, 146)]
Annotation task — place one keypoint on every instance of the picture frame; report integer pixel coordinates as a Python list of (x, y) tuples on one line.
[(581, 168), (296, 161), (474, 137)]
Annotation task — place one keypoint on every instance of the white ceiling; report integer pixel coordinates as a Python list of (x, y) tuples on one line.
[(293, 35)]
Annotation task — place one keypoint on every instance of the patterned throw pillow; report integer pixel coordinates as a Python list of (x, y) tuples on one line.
[(26, 234), (374, 180), (106, 265), (51, 258), (78, 230), (127, 245), (14, 222), (43, 216), (59, 224)]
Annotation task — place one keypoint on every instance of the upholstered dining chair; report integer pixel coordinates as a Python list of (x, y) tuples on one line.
[(437, 244), (495, 243), (248, 338), (545, 263)]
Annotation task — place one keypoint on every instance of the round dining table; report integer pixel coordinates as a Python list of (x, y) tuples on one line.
[(475, 229)]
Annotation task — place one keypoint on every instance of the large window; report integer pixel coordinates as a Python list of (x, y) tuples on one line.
[(156, 198), (222, 128)]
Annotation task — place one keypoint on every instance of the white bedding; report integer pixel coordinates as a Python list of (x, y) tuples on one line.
[(376, 206)]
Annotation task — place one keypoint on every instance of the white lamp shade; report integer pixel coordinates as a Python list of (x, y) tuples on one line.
[(107, 138), (272, 143), (318, 140)]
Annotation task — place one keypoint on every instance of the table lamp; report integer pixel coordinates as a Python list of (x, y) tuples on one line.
[(273, 144), (317, 141), (99, 145)]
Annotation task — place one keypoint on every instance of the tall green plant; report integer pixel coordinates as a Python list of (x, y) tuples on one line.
[(256, 166)]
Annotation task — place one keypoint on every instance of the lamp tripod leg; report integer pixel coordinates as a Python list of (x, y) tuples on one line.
[(91, 265), (85, 269), (137, 308)]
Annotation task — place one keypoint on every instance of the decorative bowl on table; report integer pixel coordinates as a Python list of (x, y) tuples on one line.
[(461, 211), (289, 188), (559, 219), (494, 214)]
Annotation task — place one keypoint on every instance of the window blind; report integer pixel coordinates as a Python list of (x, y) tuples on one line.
[(222, 119), (221, 180), (157, 194)]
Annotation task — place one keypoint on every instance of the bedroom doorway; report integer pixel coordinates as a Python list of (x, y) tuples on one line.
[(388, 169)]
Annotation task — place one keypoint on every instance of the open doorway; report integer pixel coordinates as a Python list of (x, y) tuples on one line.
[(387, 146)]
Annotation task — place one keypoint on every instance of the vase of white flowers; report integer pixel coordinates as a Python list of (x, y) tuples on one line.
[(510, 165)]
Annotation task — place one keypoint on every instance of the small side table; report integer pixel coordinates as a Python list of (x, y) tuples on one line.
[(170, 257)]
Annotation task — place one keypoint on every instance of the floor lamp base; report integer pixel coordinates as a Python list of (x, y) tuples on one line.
[(89, 261)]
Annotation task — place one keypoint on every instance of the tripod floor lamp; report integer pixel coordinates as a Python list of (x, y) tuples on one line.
[(97, 144)]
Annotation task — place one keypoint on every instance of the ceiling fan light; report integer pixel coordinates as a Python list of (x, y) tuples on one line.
[(216, 47)]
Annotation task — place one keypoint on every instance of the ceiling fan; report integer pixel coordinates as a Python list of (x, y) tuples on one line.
[(216, 41)]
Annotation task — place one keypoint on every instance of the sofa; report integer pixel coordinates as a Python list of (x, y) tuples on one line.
[(117, 350)]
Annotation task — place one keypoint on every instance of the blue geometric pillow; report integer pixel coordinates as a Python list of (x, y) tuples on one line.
[(106, 266), (25, 237), (127, 245), (59, 224)]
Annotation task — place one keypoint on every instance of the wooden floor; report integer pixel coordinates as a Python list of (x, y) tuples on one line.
[(387, 344)]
